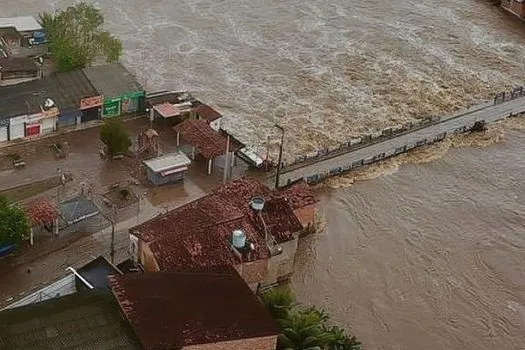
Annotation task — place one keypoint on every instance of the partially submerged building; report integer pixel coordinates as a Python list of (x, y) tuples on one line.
[(204, 140), (168, 168), (195, 311), (40, 106), (172, 108), (243, 224)]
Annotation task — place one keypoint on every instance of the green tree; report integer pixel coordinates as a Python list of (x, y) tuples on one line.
[(14, 223), (76, 37), (114, 135), (279, 302), (303, 330)]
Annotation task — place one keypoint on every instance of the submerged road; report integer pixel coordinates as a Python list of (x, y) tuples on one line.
[(409, 140)]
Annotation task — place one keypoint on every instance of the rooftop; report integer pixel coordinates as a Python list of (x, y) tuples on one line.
[(299, 195), (65, 89), (207, 113), (76, 321), (21, 24), (112, 80), (200, 134), (96, 272), (167, 110), (173, 310), (196, 236), (168, 161), (77, 209), (18, 64)]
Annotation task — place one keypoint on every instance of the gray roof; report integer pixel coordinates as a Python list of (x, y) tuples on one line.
[(22, 23), (96, 272), (77, 209), (66, 89), (168, 161), (78, 321), (112, 80)]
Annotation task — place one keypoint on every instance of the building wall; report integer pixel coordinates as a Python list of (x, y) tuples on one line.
[(147, 259), (253, 272), (282, 266), (262, 343)]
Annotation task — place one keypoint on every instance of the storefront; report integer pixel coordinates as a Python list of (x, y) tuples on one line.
[(17, 127), (126, 104), (90, 108), (69, 118)]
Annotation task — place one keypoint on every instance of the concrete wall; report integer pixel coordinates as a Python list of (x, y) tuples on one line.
[(253, 272), (147, 259), (282, 266), (262, 343)]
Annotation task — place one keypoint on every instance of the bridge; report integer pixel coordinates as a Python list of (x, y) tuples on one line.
[(391, 143)]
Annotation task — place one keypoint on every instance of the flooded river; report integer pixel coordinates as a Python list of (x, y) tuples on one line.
[(428, 257), (431, 256), (326, 71)]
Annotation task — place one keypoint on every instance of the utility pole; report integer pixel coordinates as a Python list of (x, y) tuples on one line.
[(267, 153), (278, 173)]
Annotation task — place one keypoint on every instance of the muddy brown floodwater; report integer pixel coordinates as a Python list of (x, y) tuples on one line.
[(428, 257)]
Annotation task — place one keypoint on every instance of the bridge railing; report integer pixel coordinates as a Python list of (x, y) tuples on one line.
[(392, 132)]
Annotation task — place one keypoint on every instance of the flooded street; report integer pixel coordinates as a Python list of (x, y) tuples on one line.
[(428, 257)]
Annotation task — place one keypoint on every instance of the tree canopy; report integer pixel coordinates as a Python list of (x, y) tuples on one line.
[(15, 224), (77, 38), (304, 329), (114, 135)]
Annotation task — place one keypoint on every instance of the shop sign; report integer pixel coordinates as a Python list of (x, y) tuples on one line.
[(91, 102)]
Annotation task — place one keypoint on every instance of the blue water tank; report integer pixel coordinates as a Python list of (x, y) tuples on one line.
[(238, 239), (39, 37)]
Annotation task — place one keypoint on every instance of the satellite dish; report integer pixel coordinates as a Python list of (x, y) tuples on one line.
[(49, 103)]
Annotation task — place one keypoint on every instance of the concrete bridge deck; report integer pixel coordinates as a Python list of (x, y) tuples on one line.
[(372, 152)]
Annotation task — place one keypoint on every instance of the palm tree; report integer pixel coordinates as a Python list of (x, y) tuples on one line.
[(303, 330), (279, 302)]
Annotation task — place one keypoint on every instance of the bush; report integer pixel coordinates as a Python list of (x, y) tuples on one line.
[(124, 193), (14, 223), (114, 135)]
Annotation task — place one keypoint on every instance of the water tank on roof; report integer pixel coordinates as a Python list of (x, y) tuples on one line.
[(39, 37), (257, 203), (238, 239)]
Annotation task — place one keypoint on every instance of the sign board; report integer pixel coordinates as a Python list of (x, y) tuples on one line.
[(111, 108), (90, 102)]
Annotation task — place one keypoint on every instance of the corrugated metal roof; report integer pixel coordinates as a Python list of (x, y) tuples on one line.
[(112, 80), (22, 23), (168, 162), (77, 321)]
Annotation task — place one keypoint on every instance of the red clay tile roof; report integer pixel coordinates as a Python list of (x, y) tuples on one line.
[(207, 113), (167, 110), (173, 310), (196, 235), (299, 195), (200, 134)]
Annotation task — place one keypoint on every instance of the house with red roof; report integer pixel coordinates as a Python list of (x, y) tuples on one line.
[(194, 311), (242, 224)]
